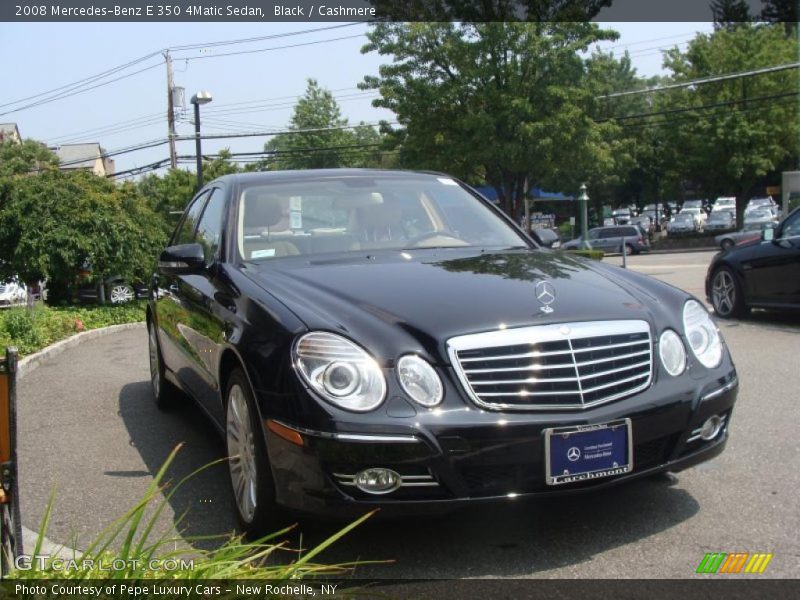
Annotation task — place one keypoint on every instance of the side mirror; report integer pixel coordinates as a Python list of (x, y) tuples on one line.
[(183, 259), (768, 234)]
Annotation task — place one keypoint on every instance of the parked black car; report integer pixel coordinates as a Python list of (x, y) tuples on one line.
[(764, 272), (112, 290), (373, 338)]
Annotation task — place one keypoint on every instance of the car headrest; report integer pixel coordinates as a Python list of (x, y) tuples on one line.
[(263, 211), (380, 215)]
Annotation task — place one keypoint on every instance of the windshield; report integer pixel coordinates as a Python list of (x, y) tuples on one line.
[(693, 204), (759, 214), (331, 215), (684, 217), (720, 216)]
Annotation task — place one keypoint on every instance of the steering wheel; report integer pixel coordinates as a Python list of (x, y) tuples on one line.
[(414, 242)]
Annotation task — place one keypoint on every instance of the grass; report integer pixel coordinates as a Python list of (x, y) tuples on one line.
[(140, 555), (31, 331)]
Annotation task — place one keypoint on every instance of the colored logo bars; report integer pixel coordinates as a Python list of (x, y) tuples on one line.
[(738, 562)]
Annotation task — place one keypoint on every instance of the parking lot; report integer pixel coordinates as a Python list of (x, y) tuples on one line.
[(90, 431)]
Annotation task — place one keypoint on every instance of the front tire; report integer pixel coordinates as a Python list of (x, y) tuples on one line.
[(251, 476), (726, 294), (164, 393)]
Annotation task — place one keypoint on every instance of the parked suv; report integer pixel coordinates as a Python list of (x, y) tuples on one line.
[(618, 238)]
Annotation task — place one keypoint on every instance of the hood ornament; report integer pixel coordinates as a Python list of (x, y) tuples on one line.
[(546, 294)]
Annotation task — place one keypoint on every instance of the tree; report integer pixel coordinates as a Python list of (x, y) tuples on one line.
[(53, 223), (501, 102), (738, 130), (24, 158), (331, 144), (730, 13)]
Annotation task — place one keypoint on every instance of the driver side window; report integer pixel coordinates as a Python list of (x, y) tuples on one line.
[(792, 227)]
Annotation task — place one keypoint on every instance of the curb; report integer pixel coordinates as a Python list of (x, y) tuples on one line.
[(687, 250), (32, 362), (48, 547)]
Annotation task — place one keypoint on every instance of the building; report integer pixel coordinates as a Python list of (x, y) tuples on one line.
[(88, 157), (10, 132)]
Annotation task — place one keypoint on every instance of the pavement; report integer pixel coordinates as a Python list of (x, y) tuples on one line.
[(89, 430)]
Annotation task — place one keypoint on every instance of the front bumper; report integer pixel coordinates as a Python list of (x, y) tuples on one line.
[(460, 457)]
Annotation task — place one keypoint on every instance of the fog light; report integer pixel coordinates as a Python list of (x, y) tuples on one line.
[(711, 428), (377, 480)]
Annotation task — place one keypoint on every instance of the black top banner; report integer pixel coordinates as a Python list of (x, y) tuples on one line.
[(381, 10)]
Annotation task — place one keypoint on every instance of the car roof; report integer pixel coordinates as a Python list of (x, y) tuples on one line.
[(281, 176)]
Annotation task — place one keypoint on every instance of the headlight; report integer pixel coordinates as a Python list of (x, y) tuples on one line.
[(702, 334), (340, 371), (419, 380), (673, 354)]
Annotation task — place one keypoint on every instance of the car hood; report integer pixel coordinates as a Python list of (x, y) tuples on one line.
[(414, 301)]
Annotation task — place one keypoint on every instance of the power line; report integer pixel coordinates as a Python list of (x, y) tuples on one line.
[(73, 88), (77, 91), (699, 107), (89, 79), (704, 80), (261, 38), (271, 49)]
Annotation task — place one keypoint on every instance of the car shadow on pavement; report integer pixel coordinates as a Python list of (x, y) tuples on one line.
[(202, 505)]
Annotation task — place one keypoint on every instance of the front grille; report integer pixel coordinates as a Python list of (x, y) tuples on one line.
[(562, 366)]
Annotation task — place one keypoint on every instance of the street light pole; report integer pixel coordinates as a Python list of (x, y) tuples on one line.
[(198, 99), (584, 200)]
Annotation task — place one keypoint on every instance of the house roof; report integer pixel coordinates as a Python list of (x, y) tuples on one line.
[(9, 128), (78, 156)]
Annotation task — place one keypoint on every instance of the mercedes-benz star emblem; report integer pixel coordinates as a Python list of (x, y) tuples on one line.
[(573, 454), (546, 294)]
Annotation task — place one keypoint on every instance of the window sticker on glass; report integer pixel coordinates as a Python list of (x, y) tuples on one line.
[(263, 253), (296, 220), (446, 181), (295, 203)]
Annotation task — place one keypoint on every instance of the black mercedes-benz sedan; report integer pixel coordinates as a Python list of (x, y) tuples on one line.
[(763, 272), (378, 338)]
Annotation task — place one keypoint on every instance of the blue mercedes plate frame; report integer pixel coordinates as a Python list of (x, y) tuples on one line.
[(584, 452)]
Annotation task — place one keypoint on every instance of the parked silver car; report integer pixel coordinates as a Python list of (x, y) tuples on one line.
[(12, 293), (721, 220)]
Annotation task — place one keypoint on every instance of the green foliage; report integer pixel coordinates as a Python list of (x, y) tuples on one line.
[(32, 330), (24, 158), (130, 541), (331, 146), (742, 129), (593, 254), (503, 102), (167, 194), (54, 222)]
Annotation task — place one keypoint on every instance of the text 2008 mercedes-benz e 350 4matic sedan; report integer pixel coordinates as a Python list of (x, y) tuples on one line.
[(379, 338)]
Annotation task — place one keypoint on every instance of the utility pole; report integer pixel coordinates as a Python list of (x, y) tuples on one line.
[(173, 156)]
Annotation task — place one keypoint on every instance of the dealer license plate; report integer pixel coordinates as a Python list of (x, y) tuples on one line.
[(585, 452)]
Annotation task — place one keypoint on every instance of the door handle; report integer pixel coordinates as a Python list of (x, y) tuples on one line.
[(173, 288)]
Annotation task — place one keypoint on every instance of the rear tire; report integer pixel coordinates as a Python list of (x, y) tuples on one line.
[(251, 475), (628, 249), (727, 297)]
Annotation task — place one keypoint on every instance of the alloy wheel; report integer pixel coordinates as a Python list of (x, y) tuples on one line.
[(241, 453), (121, 294), (723, 293)]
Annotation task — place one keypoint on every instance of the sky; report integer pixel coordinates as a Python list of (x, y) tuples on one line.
[(251, 92)]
